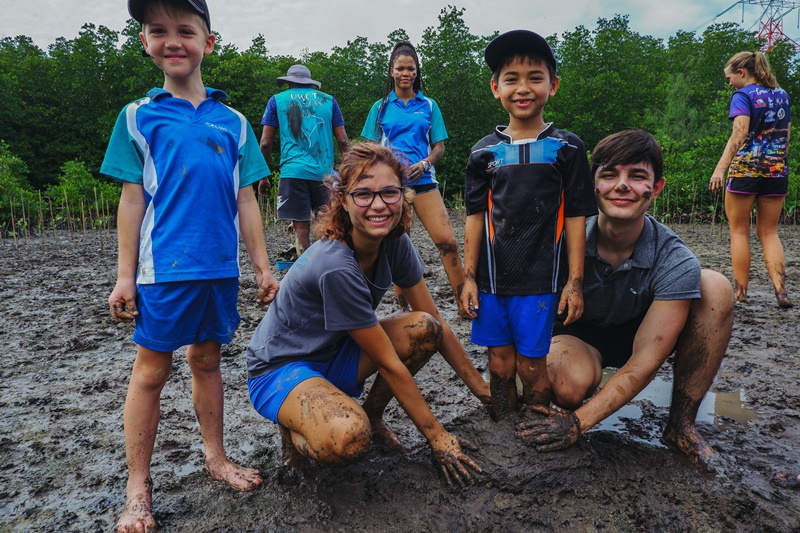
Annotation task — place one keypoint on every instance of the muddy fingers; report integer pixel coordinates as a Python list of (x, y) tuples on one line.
[(553, 430)]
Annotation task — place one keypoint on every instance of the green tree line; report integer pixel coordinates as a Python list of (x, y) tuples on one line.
[(59, 105)]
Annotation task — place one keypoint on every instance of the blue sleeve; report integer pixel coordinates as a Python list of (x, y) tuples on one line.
[(124, 160), (337, 119), (371, 129), (252, 166), (438, 131), (740, 105), (270, 117)]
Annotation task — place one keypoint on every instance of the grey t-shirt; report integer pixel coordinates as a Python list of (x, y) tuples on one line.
[(661, 268), (323, 295)]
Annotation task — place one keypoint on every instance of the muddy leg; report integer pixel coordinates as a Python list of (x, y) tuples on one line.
[(431, 211), (401, 300), (532, 372), (700, 349), (290, 453), (415, 337), (323, 423), (739, 208), (769, 212), (142, 409), (502, 380), (302, 235), (207, 397)]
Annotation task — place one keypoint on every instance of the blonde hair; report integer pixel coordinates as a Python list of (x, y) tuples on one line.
[(756, 64)]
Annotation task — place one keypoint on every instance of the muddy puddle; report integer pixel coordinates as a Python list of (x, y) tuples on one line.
[(65, 368)]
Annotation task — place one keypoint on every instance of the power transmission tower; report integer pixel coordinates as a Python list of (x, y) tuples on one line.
[(771, 21)]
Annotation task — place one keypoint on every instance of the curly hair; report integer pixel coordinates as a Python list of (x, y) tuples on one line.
[(333, 221)]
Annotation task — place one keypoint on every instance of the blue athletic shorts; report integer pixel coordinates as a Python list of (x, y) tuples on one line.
[(524, 321), (180, 313), (268, 392)]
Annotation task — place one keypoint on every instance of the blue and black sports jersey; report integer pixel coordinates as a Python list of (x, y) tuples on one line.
[(526, 191), (191, 163)]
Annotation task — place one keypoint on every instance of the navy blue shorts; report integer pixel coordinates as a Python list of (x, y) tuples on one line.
[(615, 343), (298, 198), (180, 313), (524, 321), (268, 392), (422, 189)]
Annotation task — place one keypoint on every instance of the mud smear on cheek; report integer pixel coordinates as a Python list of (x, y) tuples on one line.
[(647, 194)]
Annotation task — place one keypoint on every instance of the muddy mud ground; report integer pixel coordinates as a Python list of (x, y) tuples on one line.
[(65, 365)]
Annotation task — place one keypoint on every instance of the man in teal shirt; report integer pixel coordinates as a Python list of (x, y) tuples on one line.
[(308, 120)]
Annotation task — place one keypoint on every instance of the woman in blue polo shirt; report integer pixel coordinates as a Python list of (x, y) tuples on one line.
[(412, 125)]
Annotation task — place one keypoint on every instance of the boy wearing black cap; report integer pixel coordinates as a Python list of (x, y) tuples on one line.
[(187, 163), (528, 192)]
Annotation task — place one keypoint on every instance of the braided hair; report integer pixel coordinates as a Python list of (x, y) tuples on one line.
[(402, 48)]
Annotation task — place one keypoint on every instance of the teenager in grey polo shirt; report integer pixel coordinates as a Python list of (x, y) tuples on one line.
[(645, 296)]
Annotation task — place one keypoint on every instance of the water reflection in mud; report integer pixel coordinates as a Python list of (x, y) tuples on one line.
[(721, 409)]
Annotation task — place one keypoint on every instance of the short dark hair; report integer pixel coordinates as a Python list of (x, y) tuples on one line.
[(626, 148)]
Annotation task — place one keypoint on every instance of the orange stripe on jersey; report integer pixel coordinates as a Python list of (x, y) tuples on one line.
[(560, 224), (489, 218)]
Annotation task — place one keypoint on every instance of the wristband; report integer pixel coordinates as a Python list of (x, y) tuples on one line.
[(426, 164), (577, 423)]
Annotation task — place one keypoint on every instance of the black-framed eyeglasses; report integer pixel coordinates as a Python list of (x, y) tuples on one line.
[(365, 197)]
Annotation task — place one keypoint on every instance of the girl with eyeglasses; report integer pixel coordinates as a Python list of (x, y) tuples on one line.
[(321, 338)]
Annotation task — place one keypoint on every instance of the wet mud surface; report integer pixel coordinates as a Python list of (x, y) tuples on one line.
[(65, 367)]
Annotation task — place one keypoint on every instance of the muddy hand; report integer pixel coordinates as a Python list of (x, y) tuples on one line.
[(454, 461), (267, 288), (555, 430), (122, 302)]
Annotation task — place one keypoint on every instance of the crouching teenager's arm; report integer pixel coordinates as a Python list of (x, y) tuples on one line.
[(654, 341), (397, 348)]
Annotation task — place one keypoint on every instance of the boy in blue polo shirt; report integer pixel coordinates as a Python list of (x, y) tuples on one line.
[(187, 163), (528, 192)]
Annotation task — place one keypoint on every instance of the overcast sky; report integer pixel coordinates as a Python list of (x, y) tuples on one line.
[(289, 26)]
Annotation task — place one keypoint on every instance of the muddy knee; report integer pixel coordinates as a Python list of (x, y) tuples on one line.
[(348, 439), (425, 332)]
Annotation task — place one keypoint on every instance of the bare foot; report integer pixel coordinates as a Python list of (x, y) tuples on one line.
[(689, 441), (136, 516), (783, 299), (383, 434), (238, 477), (740, 293), (786, 481), (290, 456)]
